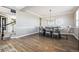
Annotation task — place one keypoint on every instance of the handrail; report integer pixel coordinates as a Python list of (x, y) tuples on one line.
[(3, 28), (11, 23)]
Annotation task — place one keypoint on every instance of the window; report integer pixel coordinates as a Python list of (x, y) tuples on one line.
[(77, 18)]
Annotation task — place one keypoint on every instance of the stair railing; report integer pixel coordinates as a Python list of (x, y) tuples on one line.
[(11, 23)]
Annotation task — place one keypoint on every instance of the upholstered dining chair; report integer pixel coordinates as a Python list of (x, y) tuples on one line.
[(66, 31), (47, 31), (41, 31), (56, 33)]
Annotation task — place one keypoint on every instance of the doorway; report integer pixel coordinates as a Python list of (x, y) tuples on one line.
[(2, 26)]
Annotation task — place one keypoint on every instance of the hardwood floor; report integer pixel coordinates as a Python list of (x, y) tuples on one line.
[(36, 43)]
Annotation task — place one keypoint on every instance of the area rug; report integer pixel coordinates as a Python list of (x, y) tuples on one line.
[(7, 48)]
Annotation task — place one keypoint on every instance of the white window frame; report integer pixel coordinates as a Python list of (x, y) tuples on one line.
[(77, 18)]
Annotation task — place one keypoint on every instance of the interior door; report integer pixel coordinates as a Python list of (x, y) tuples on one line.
[(4, 23), (3, 26)]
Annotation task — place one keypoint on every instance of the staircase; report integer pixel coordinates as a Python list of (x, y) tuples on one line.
[(5, 34)]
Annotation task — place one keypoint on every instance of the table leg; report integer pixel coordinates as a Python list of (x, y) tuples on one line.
[(78, 45), (66, 37), (51, 33)]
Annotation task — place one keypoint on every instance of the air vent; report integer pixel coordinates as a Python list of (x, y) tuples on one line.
[(13, 11)]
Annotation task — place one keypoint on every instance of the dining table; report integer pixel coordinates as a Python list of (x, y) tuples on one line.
[(52, 30)]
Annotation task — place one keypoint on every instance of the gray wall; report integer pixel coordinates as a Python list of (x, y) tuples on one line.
[(26, 23)]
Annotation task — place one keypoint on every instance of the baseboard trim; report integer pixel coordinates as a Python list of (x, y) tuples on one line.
[(71, 34), (24, 35), (37, 32), (67, 33)]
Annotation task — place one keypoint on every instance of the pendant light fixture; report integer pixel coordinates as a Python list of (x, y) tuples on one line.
[(50, 18), (50, 13)]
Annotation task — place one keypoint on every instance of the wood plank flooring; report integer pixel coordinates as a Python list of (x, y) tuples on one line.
[(36, 43)]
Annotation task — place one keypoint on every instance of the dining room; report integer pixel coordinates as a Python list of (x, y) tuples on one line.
[(46, 29), (54, 28)]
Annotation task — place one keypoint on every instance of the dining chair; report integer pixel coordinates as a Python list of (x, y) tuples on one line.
[(56, 33), (41, 32), (66, 31), (48, 31)]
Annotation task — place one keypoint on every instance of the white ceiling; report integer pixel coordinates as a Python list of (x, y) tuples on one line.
[(44, 10), (7, 9), (4, 11), (56, 10), (16, 7)]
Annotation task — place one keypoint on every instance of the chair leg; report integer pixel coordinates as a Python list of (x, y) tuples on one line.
[(59, 36), (66, 37), (78, 45)]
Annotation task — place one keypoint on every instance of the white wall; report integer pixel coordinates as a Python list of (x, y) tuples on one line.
[(26, 23), (63, 20)]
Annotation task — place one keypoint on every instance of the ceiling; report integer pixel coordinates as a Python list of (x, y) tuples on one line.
[(15, 7), (44, 10), (55, 10), (5, 11)]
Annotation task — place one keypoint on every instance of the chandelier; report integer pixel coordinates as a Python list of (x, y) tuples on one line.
[(50, 13)]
